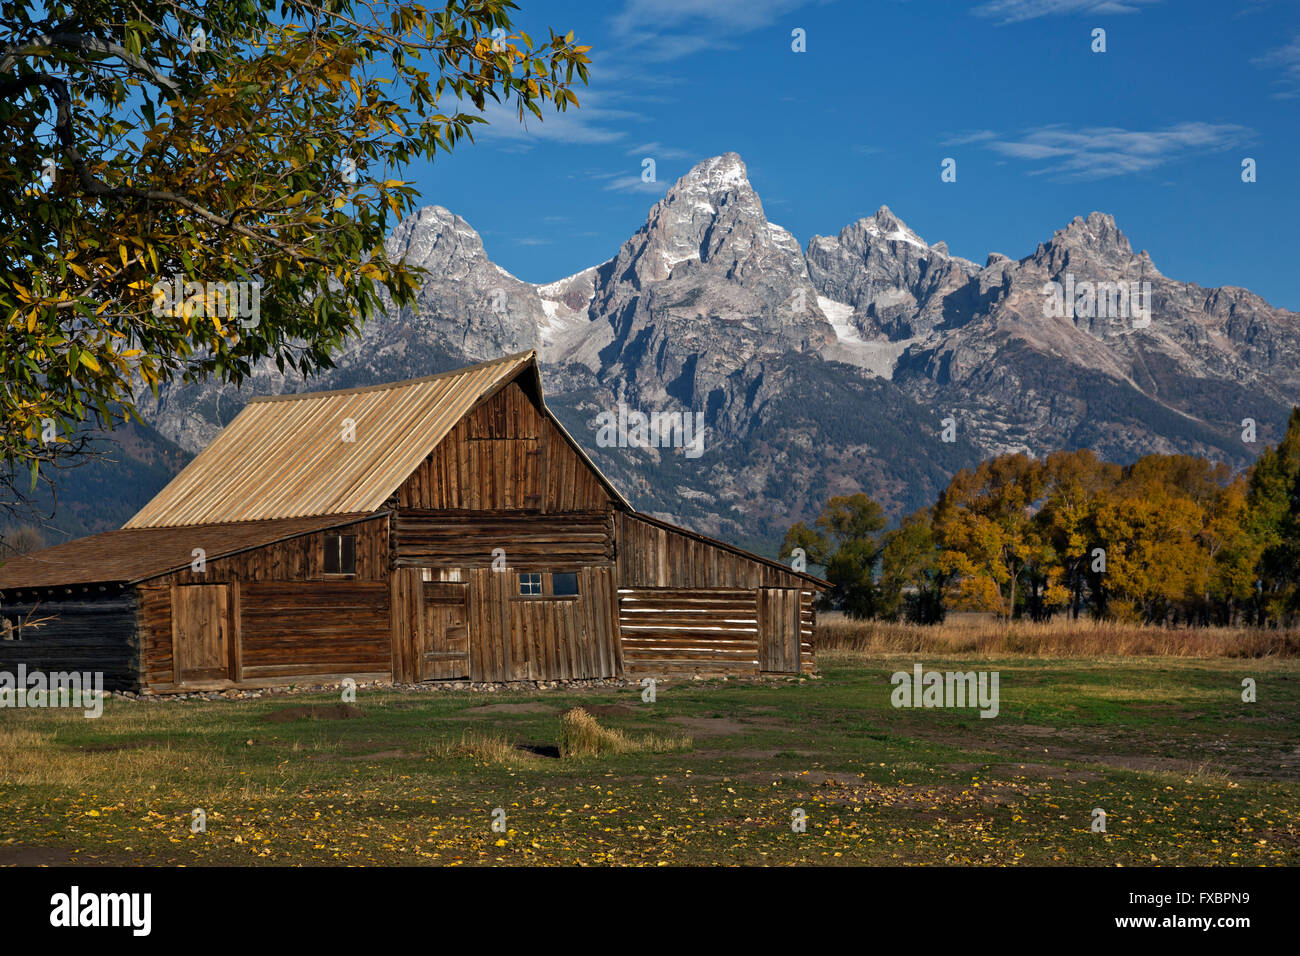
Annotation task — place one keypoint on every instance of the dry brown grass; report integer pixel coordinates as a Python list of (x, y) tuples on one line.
[(484, 748), (1059, 638), (582, 736)]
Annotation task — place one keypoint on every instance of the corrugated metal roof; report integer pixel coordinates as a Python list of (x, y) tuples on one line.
[(127, 556), (286, 456)]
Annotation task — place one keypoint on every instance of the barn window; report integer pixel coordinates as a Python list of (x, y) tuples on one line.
[(340, 554), (530, 584), (564, 583)]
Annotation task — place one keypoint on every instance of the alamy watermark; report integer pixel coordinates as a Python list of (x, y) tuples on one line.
[(1120, 302), (634, 429), (923, 688), (60, 689), (239, 301)]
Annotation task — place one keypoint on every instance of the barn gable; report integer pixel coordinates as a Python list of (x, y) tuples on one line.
[(507, 454)]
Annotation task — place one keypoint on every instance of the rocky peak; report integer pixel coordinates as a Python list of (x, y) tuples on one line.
[(434, 235), (713, 216), (1093, 246), (894, 282)]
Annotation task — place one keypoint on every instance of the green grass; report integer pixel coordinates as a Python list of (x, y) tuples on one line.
[(1187, 773)]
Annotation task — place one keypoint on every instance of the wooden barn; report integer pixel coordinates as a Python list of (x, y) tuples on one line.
[(443, 528)]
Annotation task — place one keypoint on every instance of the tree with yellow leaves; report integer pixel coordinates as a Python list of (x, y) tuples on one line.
[(166, 163)]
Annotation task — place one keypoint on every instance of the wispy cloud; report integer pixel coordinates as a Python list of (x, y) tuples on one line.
[(663, 30), (1102, 151), (658, 151), (739, 15), (590, 124), (976, 136), (1017, 11), (1286, 59), (635, 184)]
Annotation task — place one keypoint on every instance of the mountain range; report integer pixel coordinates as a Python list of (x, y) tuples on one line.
[(821, 370)]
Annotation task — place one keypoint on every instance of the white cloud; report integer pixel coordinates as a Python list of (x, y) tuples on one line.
[(658, 151), (591, 123), (1017, 11), (965, 139), (1102, 151), (739, 15), (635, 184), (660, 30), (1286, 60)]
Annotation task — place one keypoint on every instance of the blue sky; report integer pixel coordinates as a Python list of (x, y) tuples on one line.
[(1154, 130)]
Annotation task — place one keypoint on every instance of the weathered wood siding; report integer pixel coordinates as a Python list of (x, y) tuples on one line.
[(778, 629), (297, 559), (689, 631), (653, 556), (505, 455), (689, 605), (524, 638), (807, 627), (91, 631), (289, 619), (301, 628), (531, 542)]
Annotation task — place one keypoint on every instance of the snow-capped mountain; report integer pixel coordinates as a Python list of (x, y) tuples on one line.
[(828, 369)]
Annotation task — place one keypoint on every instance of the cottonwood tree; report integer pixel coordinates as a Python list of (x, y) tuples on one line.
[(236, 141), (845, 540), (982, 523)]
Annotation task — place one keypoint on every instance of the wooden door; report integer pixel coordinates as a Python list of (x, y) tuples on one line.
[(778, 630), (201, 645), (443, 649)]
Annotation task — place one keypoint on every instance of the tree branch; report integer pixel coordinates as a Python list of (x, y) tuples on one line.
[(43, 43)]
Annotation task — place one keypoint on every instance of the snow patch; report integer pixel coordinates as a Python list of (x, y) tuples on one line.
[(671, 261), (878, 358), (559, 285), (902, 234)]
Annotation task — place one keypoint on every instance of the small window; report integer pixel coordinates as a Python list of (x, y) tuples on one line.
[(564, 583), (530, 584), (340, 554)]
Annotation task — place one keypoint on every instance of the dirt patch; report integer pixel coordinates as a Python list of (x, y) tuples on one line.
[(531, 707), (710, 726), (111, 746), (312, 712), (611, 710)]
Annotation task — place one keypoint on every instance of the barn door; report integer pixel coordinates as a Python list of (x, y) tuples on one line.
[(778, 630), (201, 646), (443, 651)]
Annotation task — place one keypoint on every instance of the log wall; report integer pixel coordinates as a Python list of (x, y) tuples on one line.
[(689, 631), (531, 542), (91, 631)]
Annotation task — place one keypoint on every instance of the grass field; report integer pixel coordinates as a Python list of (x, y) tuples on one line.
[(710, 773)]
